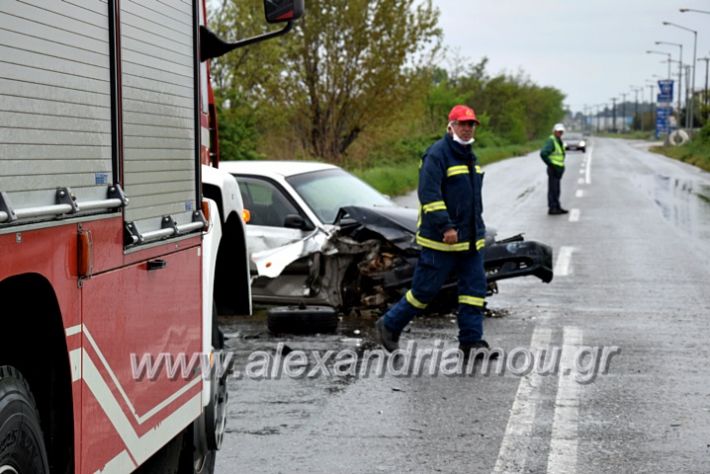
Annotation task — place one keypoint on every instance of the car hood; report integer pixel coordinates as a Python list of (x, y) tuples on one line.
[(388, 221), (396, 224)]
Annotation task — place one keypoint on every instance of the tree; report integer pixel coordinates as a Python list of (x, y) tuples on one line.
[(349, 67)]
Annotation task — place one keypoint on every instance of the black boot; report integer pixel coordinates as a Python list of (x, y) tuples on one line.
[(477, 349), (388, 339)]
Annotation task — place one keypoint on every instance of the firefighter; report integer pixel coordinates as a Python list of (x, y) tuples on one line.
[(451, 233), (553, 154)]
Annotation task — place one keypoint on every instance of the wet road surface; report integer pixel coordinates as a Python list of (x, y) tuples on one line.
[(631, 275)]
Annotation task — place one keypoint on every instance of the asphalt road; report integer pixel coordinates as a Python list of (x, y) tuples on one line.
[(632, 266)]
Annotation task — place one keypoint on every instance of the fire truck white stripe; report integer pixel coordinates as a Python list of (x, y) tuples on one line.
[(118, 385), (75, 361), (139, 418), (140, 447), (73, 330), (170, 399), (120, 464)]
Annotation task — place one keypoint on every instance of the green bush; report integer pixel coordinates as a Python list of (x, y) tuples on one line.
[(396, 179)]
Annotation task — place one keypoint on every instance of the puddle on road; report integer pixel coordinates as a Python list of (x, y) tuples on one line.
[(277, 407), (246, 334), (684, 203)]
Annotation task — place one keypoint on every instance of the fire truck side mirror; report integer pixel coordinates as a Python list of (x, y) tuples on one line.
[(278, 11)]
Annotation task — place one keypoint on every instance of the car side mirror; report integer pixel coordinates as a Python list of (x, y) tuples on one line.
[(295, 221)]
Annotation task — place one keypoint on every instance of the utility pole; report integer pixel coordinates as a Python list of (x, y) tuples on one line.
[(623, 112), (613, 114), (636, 120), (707, 60), (688, 100), (598, 112), (652, 103)]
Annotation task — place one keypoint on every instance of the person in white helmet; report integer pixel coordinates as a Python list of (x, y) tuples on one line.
[(553, 154)]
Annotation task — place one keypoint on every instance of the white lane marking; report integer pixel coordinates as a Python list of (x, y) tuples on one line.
[(581, 171), (563, 442), (564, 261), (574, 215), (588, 168), (579, 193), (516, 443), (580, 181)]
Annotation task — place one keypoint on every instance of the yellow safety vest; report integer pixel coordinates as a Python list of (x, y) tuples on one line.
[(557, 157)]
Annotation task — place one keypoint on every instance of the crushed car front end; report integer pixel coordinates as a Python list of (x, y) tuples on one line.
[(367, 261)]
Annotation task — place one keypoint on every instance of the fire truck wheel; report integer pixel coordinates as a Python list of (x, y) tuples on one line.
[(216, 411), (21, 443), (208, 429)]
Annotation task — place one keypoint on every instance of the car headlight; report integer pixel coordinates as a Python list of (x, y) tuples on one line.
[(582, 143)]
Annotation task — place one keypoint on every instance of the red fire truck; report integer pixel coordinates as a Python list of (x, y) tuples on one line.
[(109, 242)]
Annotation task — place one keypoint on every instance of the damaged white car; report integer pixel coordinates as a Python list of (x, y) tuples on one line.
[(318, 235)]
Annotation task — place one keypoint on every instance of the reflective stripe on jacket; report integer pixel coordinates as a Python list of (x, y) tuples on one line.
[(450, 185)]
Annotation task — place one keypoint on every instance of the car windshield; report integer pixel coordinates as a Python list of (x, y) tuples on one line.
[(327, 191), (572, 137)]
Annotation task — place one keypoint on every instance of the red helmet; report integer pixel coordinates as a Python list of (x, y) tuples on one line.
[(462, 113)]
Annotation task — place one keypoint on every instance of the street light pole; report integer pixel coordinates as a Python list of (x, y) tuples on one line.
[(683, 10), (695, 61), (680, 62), (665, 54), (623, 112), (613, 114), (680, 80)]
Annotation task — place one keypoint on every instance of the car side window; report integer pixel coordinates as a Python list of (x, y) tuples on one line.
[(266, 203)]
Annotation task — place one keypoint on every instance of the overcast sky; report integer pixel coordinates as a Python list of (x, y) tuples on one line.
[(592, 50)]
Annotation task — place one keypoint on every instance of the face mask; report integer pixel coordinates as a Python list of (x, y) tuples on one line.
[(457, 139)]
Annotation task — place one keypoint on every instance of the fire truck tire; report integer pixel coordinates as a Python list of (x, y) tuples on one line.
[(302, 319), (208, 463), (216, 411), (21, 443), (205, 434)]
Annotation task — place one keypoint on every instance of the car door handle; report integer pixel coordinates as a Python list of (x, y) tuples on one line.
[(157, 264)]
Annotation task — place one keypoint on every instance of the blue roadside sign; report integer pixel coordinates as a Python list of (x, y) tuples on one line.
[(666, 90), (663, 115), (663, 109)]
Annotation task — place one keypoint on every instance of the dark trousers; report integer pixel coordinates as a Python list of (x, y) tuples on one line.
[(554, 177), (433, 268)]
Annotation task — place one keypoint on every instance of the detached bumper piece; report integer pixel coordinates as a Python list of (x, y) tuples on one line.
[(302, 320), (514, 258)]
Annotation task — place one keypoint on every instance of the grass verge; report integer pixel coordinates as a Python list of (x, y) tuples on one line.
[(695, 153), (398, 178), (631, 135)]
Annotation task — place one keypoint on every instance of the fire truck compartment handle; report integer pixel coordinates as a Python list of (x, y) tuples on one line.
[(157, 264)]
